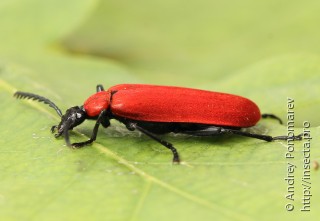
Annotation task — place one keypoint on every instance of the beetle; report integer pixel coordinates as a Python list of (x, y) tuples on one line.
[(155, 110)]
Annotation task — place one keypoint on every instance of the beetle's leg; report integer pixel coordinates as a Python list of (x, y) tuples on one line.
[(213, 130), (100, 88), (101, 118), (176, 158), (272, 116), (260, 136)]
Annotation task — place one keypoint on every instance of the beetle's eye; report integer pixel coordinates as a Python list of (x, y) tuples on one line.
[(79, 115)]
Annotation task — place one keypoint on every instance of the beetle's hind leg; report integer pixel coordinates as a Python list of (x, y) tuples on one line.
[(133, 126), (260, 136), (213, 130), (272, 116)]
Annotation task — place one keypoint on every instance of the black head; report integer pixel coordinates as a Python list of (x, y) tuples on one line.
[(72, 118)]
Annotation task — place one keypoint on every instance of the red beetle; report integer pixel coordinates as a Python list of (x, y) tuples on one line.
[(157, 110)]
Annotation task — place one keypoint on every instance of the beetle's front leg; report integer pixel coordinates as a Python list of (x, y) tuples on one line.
[(102, 119)]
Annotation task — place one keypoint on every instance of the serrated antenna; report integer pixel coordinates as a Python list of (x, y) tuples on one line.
[(26, 95)]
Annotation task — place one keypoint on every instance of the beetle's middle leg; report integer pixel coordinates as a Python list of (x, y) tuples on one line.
[(176, 158)]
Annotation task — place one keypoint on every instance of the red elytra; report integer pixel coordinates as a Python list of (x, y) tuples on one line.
[(174, 104)]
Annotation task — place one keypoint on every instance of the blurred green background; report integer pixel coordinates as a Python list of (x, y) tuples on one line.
[(264, 50)]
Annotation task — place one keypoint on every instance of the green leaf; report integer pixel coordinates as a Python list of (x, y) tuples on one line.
[(266, 51)]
